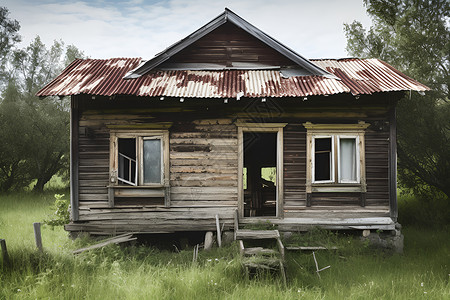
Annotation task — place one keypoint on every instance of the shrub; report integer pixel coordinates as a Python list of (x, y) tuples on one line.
[(61, 216)]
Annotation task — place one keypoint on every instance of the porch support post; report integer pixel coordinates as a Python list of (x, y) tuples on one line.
[(74, 130), (393, 164)]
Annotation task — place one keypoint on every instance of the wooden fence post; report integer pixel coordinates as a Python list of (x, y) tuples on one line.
[(4, 252), (37, 235)]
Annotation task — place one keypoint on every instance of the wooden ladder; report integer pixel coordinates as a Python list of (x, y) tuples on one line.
[(260, 258)]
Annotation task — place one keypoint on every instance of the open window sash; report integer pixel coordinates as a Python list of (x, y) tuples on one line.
[(127, 163)]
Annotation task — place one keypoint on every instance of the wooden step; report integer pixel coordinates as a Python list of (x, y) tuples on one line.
[(247, 234), (262, 263), (259, 251)]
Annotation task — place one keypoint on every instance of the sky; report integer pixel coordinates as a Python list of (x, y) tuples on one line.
[(143, 28)]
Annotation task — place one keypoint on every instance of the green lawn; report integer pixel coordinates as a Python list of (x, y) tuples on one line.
[(357, 272)]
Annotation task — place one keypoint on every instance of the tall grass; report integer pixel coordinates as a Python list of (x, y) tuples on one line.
[(139, 272), (416, 211)]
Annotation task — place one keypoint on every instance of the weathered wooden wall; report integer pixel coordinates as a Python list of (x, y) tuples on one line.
[(228, 44), (204, 162)]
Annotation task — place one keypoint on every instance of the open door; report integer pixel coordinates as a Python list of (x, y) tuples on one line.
[(260, 166), (260, 174)]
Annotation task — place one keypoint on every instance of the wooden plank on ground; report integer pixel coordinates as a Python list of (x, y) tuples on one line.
[(311, 248), (115, 240)]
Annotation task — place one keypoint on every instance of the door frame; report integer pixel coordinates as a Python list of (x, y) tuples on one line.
[(266, 128)]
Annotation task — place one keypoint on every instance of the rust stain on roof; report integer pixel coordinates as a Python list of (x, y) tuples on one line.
[(106, 78)]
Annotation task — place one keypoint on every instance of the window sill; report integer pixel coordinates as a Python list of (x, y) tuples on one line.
[(338, 188), (138, 192), (159, 186)]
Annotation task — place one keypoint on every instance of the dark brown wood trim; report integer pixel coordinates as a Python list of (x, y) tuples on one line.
[(74, 131), (363, 199), (393, 163), (308, 199)]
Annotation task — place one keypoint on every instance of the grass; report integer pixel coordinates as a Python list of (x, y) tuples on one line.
[(138, 272)]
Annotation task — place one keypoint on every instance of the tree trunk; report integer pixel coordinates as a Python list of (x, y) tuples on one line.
[(39, 186)]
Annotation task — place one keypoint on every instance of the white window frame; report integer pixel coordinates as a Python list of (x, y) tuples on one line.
[(357, 154), (336, 132), (332, 161)]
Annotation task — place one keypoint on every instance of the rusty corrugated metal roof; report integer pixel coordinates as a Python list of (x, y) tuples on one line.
[(106, 78)]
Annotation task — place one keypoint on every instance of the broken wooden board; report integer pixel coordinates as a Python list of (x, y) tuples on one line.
[(114, 240)]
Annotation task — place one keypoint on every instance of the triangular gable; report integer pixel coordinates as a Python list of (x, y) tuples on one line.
[(228, 17)]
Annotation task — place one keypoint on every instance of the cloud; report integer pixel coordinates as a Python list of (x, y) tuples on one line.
[(139, 28)]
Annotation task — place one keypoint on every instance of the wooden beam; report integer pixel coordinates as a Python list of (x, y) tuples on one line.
[(74, 131), (393, 164), (236, 223), (115, 240), (363, 199), (110, 196), (240, 172), (280, 174), (308, 199)]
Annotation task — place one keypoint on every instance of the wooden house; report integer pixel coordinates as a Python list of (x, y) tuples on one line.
[(230, 119)]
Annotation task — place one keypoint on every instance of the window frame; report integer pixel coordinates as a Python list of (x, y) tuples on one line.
[(332, 160), (140, 136), (357, 158), (336, 132), (141, 160)]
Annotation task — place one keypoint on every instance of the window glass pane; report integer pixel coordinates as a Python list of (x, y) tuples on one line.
[(347, 159), (322, 159), (152, 161)]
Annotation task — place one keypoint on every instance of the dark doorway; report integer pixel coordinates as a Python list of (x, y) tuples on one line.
[(260, 174)]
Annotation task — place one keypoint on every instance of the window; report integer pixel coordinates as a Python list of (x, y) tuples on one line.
[(139, 159), (335, 157)]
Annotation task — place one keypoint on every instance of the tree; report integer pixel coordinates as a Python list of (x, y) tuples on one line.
[(14, 170), (9, 36), (414, 36), (34, 132)]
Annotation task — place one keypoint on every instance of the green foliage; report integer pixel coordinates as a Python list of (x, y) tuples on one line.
[(9, 37), (34, 132), (414, 36), (61, 215), (419, 212)]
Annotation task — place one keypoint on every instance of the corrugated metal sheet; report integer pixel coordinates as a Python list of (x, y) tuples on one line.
[(105, 78)]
